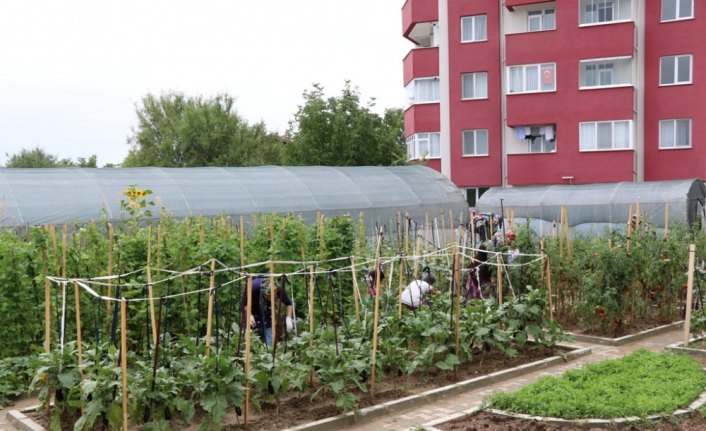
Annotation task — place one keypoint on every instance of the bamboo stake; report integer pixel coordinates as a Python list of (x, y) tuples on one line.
[(666, 219), (399, 231), (356, 291), (638, 214), (159, 245), (500, 278), (569, 251), (473, 229), (312, 283), (427, 233), (242, 242), (79, 337), (452, 230), (47, 303), (417, 251), (548, 272), (150, 290), (273, 287), (561, 233), (110, 266), (400, 288), (123, 357), (443, 227), (406, 235), (209, 316), (491, 218), (689, 294), (248, 316), (376, 318), (65, 245)]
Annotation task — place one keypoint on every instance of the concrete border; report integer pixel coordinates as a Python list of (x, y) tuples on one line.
[(578, 423), (627, 338), (20, 421), (401, 404), (679, 347)]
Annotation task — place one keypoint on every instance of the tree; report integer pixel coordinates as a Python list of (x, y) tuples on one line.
[(38, 158), (178, 131), (338, 131)]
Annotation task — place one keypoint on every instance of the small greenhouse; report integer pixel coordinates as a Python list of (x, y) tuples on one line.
[(593, 208), (41, 196)]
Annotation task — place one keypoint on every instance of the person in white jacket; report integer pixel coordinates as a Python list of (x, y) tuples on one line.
[(414, 294)]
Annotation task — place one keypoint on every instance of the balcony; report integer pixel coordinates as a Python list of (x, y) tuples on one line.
[(420, 62), (511, 4), (416, 12), (421, 118), (569, 167)]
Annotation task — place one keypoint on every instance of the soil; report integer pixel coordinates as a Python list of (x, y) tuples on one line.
[(484, 421), (617, 331), (301, 408)]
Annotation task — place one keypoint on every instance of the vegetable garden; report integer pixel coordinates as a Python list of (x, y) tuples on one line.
[(95, 322)]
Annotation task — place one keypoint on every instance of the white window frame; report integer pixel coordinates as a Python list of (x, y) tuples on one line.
[(601, 3), (474, 76), (473, 33), (524, 67), (416, 144), (598, 61), (677, 8), (411, 92), (594, 145), (541, 15), (674, 122), (475, 132), (543, 142), (676, 70)]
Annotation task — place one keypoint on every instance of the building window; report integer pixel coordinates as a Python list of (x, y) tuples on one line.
[(606, 135), (423, 90), (606, 72), (603, 11), (474, 28), (539, 20), (424, 146), (540, 139), (675, 133), (473, 194), (532, 78), (474, 85), (675, 69), (677, 9), (475, 142)]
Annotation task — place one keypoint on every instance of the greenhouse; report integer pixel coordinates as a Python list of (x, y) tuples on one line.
[(41, 196), (593, 208)]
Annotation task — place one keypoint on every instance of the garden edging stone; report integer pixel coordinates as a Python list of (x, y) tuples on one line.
[(627, 338)]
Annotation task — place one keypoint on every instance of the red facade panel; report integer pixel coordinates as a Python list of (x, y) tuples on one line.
[(420, 62), (481, 56), (512, 3), (590, 167), (678, 101), (416, 11), (421, 118)]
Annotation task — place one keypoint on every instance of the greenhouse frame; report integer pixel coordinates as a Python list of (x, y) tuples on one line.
[(44, 196), (593, 208)]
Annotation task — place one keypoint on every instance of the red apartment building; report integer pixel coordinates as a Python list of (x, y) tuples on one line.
[(523, 92)]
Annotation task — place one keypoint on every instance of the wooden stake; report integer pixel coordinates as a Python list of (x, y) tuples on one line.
[(406, 234), (150, 291), (79, 337), (637, 213), (312, 283), (452, 229), (457, 284), (629, 229), (356, 292), (123, 357), (399, 231), (273, 286), (65, 246), (549, 287), (666, 219), (689, 294), (248, 316), (209, 315), (159, 245), (376, 317), (400, 287), (561, 234), (473, 229), (47, 303), (427, 233), (242, 242)]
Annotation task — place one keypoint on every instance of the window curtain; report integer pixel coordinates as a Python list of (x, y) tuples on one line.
[(435, 145), (426, 90), (480, 28), (683, 133), (532, 78), (588, 136), (481, 85), (621, 134), (516, 79)]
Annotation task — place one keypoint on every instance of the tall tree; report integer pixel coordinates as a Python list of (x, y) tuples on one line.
[(339, 131), (179, 131), (38, 158)]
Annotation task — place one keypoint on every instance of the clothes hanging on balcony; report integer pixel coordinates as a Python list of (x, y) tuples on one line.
[(521, 132)]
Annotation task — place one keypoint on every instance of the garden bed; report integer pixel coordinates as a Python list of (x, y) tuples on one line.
[(395, 393), (642, 333), (697, 347)]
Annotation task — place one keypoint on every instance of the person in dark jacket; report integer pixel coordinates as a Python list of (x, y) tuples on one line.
[(261, 316)]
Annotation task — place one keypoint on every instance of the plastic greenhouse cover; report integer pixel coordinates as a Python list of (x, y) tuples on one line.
[(41, 196), (591, 208)]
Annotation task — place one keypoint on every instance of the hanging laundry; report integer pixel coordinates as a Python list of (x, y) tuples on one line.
[(520, 132), (549, 133)]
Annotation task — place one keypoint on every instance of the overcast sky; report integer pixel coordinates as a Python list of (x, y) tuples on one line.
[(72, 71)]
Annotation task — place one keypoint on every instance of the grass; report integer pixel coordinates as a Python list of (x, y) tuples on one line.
[(641, 384)]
